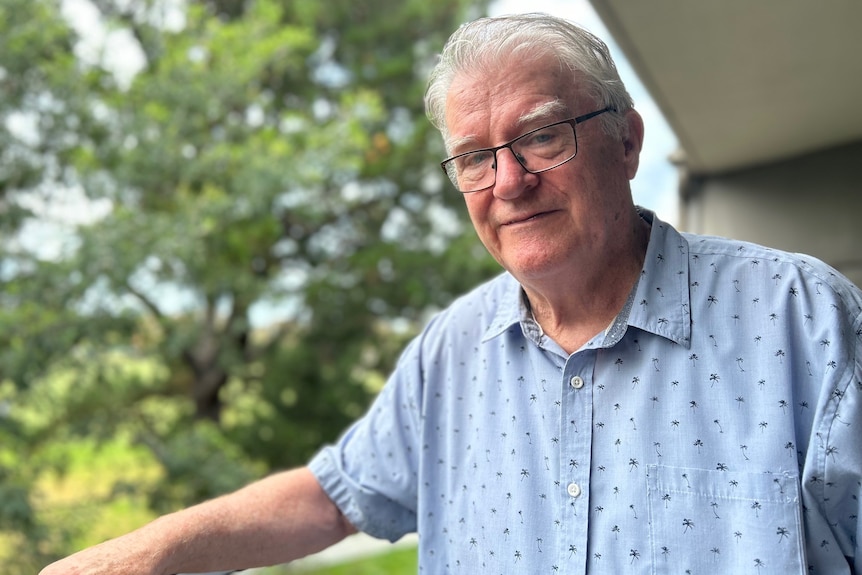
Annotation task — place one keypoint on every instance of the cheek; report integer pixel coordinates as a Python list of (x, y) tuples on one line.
[(477, 209)]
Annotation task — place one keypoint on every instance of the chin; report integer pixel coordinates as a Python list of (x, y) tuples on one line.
[(526, 268)]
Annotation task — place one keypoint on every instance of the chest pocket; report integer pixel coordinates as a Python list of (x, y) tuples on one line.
[(707, 522)]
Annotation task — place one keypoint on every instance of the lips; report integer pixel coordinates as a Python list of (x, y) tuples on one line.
[(525, 218)]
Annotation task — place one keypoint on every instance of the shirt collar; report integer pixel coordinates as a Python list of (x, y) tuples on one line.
[(511, 310), (660, 303)]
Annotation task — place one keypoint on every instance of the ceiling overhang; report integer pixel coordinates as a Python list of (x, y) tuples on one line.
[(746, 83)]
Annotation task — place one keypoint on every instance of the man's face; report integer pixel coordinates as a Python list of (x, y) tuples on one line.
[(542, 225)]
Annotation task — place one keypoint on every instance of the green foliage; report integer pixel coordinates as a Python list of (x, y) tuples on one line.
[(400, 561), (276, 228)]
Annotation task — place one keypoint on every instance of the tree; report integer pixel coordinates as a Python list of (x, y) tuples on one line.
[(43, 103), (277, 160), (277, 225)]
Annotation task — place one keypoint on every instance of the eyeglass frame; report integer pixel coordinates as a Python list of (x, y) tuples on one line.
[(571, 121)]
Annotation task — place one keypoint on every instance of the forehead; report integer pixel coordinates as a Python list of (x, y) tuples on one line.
[(498, 102)]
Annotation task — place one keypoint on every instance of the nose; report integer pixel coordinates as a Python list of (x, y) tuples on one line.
[(512, 179)]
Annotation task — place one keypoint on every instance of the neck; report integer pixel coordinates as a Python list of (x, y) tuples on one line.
[(586, 304)]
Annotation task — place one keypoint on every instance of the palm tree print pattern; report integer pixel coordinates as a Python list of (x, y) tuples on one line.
[(661, 446)]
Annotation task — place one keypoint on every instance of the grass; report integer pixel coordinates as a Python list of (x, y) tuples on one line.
[(400, 561)]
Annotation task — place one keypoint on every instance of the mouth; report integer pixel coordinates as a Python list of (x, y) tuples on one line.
[(526, 219)]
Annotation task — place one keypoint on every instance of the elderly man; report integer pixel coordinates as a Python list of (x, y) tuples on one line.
[(623, 398)]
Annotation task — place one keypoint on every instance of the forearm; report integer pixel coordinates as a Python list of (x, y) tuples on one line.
[(273, 521)]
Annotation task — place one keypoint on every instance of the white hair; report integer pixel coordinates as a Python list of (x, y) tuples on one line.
[(484, 44)]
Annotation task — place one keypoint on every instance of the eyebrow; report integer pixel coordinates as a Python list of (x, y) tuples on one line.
[(460, 144), (542, 111)]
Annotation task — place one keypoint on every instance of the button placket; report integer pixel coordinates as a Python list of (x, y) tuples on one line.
[(576, 429), (574, 490)]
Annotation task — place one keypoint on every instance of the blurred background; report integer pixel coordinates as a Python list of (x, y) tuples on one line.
[(220, 221)]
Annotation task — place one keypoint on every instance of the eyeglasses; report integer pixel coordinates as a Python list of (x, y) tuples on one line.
[(537, 151)]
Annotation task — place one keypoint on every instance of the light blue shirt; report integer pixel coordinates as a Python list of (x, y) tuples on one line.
[(713, 428)]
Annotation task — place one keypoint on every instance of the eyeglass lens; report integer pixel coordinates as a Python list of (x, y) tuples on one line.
[(536, 151)]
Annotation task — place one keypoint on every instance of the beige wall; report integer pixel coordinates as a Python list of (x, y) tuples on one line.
[(811, 204)]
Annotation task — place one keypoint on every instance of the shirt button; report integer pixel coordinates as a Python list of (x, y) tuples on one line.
[(574, 489), (577, 382)]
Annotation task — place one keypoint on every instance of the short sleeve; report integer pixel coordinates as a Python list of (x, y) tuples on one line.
[(371, 473), (841, 453)]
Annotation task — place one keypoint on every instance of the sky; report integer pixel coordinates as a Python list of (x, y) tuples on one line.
[(656, 185)]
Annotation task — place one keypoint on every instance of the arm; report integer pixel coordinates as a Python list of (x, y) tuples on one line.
[(275, 520)]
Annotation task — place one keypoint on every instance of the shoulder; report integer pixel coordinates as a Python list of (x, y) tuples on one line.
[(476, 311), (446, 341), (778, 267)]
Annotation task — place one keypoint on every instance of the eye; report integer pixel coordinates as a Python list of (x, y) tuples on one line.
[(544, 137), (474, 160)]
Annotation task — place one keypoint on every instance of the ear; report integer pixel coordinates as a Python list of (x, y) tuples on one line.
[(633, 142)]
